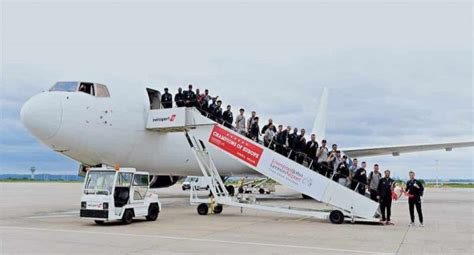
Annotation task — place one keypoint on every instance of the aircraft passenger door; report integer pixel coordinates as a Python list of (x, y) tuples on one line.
[(154, 96), (139, 187)]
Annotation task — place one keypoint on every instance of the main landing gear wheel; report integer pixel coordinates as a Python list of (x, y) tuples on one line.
[(218, 209), (261, 191), (202, 209), (336, 217), (230, 189), (127, 217), (153, 212)]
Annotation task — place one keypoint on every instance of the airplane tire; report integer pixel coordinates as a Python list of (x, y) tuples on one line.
[(241, 190), (261, 191), (231, 190), (127, 217), (99, 222), (153, 211), (336, 217), (202, 209), (218, 209)]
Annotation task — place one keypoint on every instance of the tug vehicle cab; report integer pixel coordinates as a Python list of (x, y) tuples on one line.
[(120, 194)]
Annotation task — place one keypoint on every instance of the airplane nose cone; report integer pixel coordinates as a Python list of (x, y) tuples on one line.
[(42, 115)]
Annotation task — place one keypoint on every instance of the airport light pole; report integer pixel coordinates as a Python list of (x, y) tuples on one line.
[(437, 173), (32, 170)]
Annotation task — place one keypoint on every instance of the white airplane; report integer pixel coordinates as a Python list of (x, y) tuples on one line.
[(96, 124)]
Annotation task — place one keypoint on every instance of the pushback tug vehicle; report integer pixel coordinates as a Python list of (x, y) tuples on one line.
[(118, 194)]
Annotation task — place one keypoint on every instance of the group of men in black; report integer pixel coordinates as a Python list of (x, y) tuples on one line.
[(206, 104), (293, 145)]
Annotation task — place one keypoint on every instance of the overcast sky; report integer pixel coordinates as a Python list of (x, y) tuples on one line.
[(396, 73)]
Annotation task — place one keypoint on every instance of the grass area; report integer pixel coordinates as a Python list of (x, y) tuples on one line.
[(452, 185)]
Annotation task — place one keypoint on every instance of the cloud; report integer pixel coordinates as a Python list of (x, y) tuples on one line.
[(392, 80)]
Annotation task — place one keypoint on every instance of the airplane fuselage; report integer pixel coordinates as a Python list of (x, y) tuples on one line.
[(94, 127), (112, 130)]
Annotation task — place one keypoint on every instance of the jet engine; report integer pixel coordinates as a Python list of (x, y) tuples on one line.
[(163, 181)]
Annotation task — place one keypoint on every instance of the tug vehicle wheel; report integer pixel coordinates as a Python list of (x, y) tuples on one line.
[(127, 217), (153, 212), (218, 209), (202, 209), (336, 217)]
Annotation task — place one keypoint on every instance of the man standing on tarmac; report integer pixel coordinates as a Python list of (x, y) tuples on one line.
[(415, 192), (167, 99), (374, 178), (384, 191)]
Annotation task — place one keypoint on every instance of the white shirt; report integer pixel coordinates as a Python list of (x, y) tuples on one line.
[(240, 122), (324, 154), (269, 134)]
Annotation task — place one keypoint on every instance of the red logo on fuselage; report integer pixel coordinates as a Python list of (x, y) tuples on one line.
[(172, 117)]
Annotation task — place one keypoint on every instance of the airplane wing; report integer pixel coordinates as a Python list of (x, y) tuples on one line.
[(396, 150)]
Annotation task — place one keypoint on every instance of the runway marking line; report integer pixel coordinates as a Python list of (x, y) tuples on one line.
[(194, 239), (52, 216)]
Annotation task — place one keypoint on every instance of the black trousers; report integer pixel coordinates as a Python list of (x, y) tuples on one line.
[(281, 150), (386, 205), (292, 155), (322, 168), (358, 187), (373, 195), (300, 158), (313, 162), (415, 202)]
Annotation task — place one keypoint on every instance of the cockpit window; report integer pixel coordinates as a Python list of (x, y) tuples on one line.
[(64, 86), (101, 90), (87, 88), (93, 89)]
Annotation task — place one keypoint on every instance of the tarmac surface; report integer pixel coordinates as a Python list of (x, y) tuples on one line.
[(42, 218)]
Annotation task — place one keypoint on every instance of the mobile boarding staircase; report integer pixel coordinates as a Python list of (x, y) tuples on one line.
[(348, 204)]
